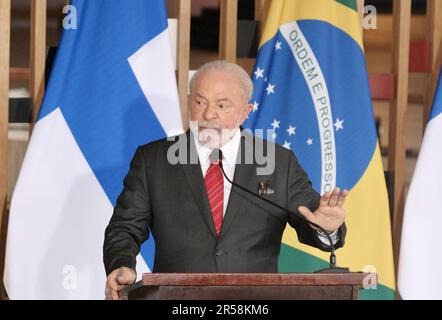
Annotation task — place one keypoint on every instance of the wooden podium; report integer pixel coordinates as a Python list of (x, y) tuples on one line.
[(247, 286)]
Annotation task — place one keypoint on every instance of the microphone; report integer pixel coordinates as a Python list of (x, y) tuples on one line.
[(217, 155)]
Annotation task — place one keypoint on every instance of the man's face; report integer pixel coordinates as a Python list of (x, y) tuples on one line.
[(219, 106)]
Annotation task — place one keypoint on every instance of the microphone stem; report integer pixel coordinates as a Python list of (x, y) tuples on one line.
[(332, 253)]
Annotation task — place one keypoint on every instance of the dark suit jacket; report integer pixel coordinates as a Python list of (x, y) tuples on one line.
[(171, 200)]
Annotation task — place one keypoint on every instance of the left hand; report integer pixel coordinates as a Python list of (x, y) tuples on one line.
[(330, 215), (117, 280)]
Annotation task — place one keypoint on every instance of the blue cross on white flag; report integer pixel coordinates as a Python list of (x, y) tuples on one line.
[(112, 89)]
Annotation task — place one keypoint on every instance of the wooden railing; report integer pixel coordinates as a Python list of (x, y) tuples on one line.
[(5, 33)]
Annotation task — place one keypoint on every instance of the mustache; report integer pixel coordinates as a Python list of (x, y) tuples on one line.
[(209, 125)]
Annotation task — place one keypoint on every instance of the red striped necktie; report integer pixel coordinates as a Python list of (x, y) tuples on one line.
[(215, 192)]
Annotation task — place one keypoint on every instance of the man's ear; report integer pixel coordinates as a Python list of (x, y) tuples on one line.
[(246, 112)]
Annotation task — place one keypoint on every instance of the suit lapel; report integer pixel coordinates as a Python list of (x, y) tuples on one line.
[(197, 184)]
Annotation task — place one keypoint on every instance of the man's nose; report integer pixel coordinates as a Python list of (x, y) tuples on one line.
[(210, 113)]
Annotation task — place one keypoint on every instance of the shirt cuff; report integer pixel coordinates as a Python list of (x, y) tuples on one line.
[(324, 239)]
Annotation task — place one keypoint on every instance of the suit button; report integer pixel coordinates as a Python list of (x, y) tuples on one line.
[(219, 252)]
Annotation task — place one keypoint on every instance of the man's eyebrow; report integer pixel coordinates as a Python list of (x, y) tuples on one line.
[(200, 96), (224, 99)]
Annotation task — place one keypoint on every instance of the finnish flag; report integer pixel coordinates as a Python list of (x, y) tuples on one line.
[(112, 88)]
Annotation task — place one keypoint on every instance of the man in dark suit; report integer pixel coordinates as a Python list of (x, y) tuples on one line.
[(200, 222)]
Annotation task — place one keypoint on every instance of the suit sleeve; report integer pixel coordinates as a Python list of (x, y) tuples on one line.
[(301, 193), (128, 227)]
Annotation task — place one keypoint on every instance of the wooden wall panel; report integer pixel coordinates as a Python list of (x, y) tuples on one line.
[(398, 112), (37, 54), (228, 29), (5, 32)]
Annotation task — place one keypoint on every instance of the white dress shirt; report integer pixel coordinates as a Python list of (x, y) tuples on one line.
[(230, 153)]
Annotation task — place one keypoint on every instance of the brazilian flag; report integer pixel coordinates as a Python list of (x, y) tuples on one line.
[(312, 93)]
